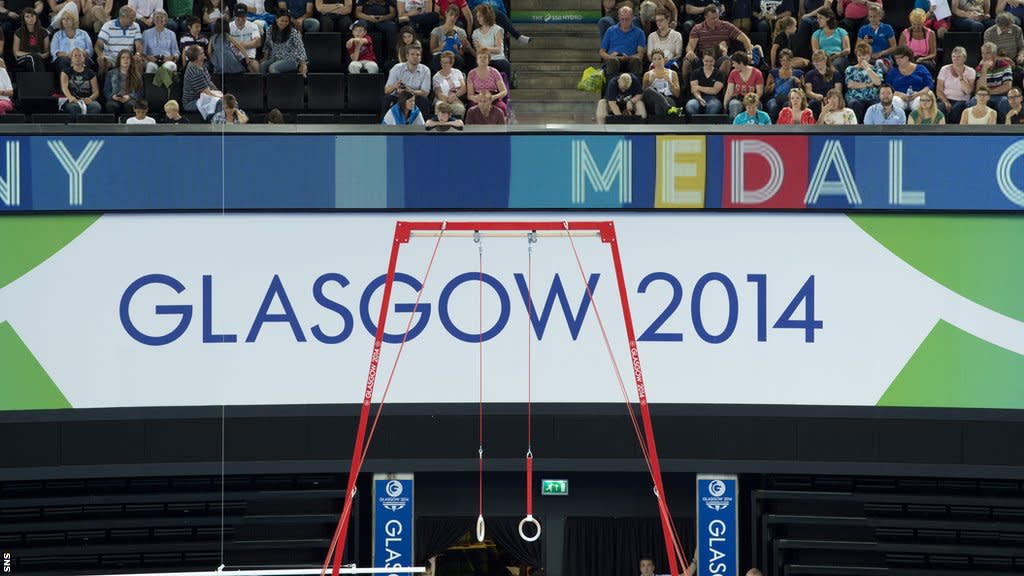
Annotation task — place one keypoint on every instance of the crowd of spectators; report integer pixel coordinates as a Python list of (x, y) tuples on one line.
[(100, 52), (819, 62)]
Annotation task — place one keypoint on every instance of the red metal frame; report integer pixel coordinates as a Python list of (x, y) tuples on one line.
[(403, 232)]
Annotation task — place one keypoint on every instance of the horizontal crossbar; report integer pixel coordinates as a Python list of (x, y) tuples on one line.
[(404, 229)]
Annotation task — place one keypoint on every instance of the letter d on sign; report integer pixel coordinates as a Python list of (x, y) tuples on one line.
[(776, 171)]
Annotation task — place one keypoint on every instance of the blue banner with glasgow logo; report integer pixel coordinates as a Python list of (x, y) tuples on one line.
[(393, 521), (717, 526), (487, 171)]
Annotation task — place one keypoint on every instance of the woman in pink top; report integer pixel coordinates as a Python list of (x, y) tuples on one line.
[(743, 79), (797, 112), (485, 82), (955, 86), (920, 40)]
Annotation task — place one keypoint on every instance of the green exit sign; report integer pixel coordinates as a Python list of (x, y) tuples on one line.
[(554, 487)]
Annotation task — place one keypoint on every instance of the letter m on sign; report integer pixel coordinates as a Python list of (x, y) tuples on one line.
[(585, 171)]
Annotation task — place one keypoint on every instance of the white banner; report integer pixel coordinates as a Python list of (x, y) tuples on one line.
[(179, 310)]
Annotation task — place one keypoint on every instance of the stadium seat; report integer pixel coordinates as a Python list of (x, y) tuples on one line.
[(35, 86), (96, 119), (13, 118), (247, 88), (315, 119), (324, 51), (358, 119), (365, 93), (51, 118), (326, 91), (286, 91), (969, 40), (157, 96)]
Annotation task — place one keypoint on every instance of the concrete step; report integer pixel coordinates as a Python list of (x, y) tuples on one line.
[(586, 30), (559, 41), (540, 112), (528, 67), (546, 81), (589, 56), (547, 94)]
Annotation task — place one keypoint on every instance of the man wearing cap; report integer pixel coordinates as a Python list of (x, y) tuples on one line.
[(245, 36), (256, 12), (301, 12)]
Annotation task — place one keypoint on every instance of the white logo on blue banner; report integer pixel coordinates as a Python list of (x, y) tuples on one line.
[(392, 521), (717, 526)]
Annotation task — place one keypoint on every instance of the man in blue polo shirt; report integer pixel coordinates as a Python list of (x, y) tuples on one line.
[(622, 47), (884, 112)]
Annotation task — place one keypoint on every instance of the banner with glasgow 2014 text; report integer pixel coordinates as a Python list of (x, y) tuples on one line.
[(823, 309)]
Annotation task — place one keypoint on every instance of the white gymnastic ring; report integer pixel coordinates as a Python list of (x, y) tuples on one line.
[(529, 520), (480, 528)]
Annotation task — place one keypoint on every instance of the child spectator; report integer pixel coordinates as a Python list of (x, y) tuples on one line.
[(141, 108), (786, 28), (230, 113), (193, 36), (275, 117), (443, 119), (172, 113), (360, 50), (751, 115)]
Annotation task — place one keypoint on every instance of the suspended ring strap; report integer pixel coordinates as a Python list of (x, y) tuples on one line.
[(481, 529), (529, 519)]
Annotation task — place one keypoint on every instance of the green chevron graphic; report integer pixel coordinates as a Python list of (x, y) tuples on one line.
[(978, 257), (33, 239), (953, 369), (26, 385)]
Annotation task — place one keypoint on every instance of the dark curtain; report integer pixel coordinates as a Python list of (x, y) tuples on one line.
[(505, 532), (434, 535), (605, 546)]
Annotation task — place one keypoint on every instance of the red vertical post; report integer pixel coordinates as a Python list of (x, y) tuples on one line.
[(611, 238), (338, 541)]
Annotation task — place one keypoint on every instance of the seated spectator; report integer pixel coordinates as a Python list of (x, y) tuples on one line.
[(94, 14), (448, 37), (172, 113), (406, 38), (144, 11), (450, 85), (335, 15), (404, 112), (121, 33), (927, 112), (785, 30), (230, 113), (694, 12), (909, 80), (622, 97), (159, 45), (920, 41), (301, 13), (666, 40), (275, 117), (489, 37), (485, 113), (244, 39), (862, 81), (1014, 7), (284, 51), (744, 79), (466, 19), (443, 119), (486, 83), (832, 40), (1008, 38), (712, 34), (419, 14), (501, 17), (884, 112), (256, 11), (979, 112), (706, 85), (141, 109), (834, 111), (31, 44), (797, 112), (996, 74), (970, 15), (648, 13), (762, 21), (808, 23), (780, 82), (855, 14), (661, 87), (197, 80), (79, 87), (622, 48), (360, 51), (610, 15), (955, 85), (227, 54), (409, 77), (751, 115), (69, 36), (878, 34), (820, 80), (57, 10), (1014, 116), (380, 16), (122, 86), (7, 90), (213, 12), (193, 36)]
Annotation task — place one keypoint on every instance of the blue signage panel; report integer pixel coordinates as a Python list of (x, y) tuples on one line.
[(717, 526), (392, 521)]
